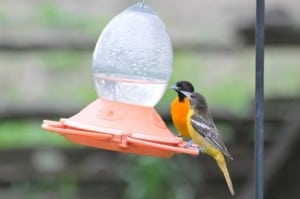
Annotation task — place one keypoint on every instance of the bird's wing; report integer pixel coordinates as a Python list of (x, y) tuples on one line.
[(206, 128)]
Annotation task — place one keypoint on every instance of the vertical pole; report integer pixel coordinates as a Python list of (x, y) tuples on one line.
[(259, 100)]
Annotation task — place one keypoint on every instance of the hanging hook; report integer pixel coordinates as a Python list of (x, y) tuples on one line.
[(143, 3)]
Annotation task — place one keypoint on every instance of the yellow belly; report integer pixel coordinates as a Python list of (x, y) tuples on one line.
[(199, 140)]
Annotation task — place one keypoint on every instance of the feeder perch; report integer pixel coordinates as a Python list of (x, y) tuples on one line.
[(132, 64)]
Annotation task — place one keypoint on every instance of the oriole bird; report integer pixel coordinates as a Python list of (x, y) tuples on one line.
[(204, 133), (180, 107)]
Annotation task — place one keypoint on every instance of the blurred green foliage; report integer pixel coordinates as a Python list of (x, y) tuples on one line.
[(51, 14), (27, 133), (152, 178), (63, 186)]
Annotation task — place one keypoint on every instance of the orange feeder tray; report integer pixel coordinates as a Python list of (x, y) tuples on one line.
[(122, 127)]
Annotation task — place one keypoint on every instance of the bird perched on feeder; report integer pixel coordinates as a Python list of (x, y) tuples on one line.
[(204, 133), (180, 107)]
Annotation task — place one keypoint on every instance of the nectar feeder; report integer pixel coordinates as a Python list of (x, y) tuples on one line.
[(132, 64)]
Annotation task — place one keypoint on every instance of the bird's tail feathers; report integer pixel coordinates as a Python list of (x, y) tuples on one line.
[(222, 165)]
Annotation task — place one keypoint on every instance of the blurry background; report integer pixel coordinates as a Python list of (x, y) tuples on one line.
[(45, 73)]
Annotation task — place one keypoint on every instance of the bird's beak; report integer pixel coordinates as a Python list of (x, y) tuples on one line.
[(174, 87), (187, 94)]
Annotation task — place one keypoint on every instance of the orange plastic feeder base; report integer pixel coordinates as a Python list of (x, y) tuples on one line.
[(120, 127)]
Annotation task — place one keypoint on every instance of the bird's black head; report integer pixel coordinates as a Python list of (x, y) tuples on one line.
[(183, 86)]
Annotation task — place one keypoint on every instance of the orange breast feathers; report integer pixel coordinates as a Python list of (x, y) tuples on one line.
[(179, 111)]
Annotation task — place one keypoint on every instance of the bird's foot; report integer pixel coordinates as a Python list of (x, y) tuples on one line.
[(189, 144), (201, 149)]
